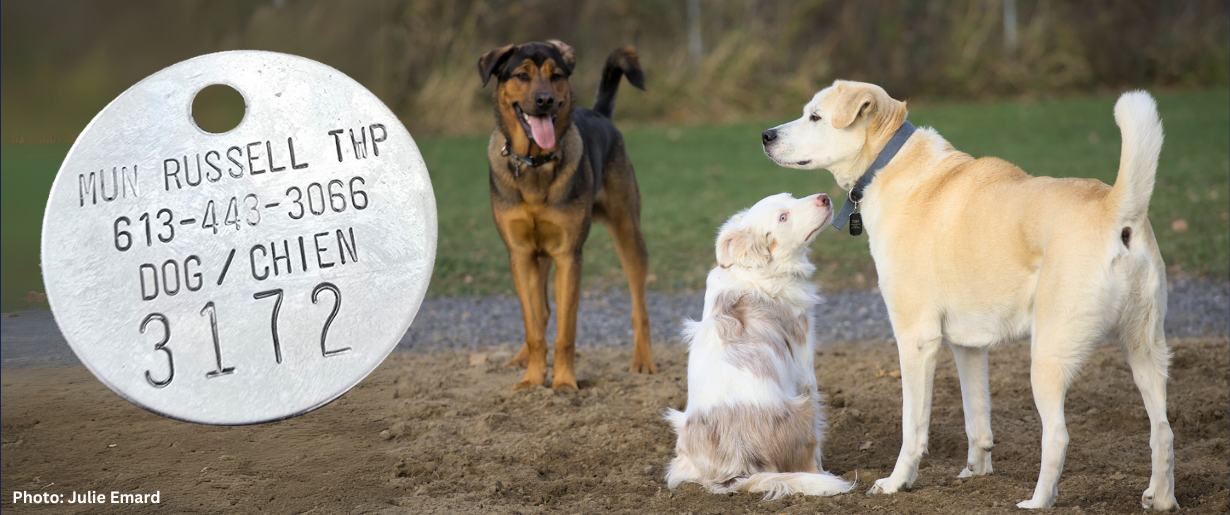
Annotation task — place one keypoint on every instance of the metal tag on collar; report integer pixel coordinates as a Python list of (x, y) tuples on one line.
[(856, 219), (245, 276), (856, 223)]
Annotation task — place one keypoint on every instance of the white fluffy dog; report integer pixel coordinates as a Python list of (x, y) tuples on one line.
[(754, 420), (973, 252)]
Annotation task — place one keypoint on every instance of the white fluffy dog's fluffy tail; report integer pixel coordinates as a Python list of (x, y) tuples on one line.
[(1136, 115), (777, 484)]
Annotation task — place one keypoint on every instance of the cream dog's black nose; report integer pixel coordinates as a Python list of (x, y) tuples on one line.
[(768, 136)]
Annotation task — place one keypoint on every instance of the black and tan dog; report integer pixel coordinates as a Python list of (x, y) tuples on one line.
[(547, 190)]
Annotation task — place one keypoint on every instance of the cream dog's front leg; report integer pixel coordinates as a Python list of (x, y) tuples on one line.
[(917, 351)]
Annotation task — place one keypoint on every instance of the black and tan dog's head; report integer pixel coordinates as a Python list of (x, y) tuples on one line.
[(533, 99)]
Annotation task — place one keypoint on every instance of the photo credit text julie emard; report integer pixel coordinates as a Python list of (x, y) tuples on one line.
[(90, 497)]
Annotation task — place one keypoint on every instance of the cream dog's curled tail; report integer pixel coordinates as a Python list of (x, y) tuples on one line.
[(1136, 115)]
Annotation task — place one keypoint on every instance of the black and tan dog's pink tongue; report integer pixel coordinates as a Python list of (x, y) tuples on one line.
[(543, 131)]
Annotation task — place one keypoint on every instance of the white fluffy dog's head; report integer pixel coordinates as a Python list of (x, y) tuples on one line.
[(841, 129), (772, 236)]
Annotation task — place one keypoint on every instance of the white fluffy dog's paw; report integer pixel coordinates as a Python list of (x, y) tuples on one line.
[(1149, 501), (885, 486)]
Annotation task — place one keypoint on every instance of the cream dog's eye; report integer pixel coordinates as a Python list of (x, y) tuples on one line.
[(815, 117), (782, 218)]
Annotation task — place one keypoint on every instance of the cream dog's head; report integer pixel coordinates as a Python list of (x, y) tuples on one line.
[(772, 236), (842, 129)]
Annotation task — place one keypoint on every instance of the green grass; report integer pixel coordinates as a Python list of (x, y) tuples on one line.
[(693, 178), (26, 172)]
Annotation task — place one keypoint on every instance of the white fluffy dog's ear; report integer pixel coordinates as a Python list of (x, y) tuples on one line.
[(739, 245)]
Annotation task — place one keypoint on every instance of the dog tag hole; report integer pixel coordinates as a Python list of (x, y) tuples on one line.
[(218, 108)]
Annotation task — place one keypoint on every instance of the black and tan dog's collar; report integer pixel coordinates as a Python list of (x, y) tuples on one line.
[(532, 161)]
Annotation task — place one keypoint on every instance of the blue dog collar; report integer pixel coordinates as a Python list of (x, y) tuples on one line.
[(856, 193)]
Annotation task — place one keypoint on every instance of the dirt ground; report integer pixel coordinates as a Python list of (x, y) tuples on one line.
[(433, 433)]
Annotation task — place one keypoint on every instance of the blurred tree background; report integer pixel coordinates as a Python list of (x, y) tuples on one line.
[(706, 60)]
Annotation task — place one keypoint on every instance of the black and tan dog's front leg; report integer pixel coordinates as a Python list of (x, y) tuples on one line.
[(567, 300), (544, 311), (528, 279), (630, 245)]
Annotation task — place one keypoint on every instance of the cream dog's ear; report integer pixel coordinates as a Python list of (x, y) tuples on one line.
[(743, 246), (851, 102)]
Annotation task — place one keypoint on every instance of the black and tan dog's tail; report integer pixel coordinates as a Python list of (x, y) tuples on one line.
[(621, 62)]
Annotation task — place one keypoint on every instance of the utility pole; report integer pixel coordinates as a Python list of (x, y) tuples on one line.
[(696, 45), (1010, 37)]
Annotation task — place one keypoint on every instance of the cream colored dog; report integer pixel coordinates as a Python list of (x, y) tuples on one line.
[(974, 252), (754, 420)]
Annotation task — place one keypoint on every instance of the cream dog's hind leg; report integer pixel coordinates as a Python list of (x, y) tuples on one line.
[(1150, 376), (976, 402), (1144, 341), (1047, 378), (1069, 319)]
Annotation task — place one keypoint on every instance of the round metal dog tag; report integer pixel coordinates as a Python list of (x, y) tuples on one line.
[(247, 276)]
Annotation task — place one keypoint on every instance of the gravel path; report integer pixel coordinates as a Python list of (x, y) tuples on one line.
[(1196, 308)]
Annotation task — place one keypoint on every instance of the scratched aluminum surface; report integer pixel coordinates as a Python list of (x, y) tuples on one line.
[(247, 276)]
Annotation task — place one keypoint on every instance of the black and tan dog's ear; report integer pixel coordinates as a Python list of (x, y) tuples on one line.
[(492, 62), (570, 56), (738, 245), (852, 101)]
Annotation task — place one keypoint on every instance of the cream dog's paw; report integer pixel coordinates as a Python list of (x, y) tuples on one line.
[(1149, 501), (885, 486)]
